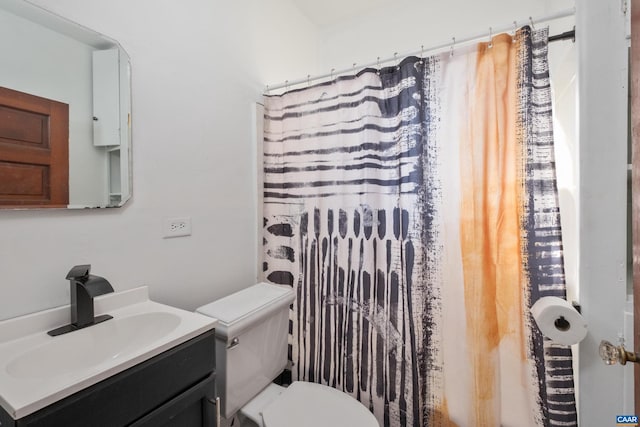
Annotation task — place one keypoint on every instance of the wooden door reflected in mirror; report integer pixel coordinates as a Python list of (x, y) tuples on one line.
[(34, 151)]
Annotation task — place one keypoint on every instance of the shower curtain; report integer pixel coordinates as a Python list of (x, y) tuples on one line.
[(414, 211)]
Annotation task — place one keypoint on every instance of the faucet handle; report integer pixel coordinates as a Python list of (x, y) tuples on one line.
[(79, 271)]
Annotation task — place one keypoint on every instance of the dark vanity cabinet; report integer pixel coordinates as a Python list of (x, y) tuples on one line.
[(175, 388)]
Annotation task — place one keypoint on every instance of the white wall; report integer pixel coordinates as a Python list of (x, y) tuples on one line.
[(412, 23), (197, 67)]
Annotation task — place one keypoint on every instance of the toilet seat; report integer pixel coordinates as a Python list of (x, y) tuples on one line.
[(305, 404)]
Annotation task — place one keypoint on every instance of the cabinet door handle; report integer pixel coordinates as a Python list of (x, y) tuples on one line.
[(216, 403)]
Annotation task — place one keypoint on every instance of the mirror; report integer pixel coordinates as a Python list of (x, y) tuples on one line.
[(44, 56)]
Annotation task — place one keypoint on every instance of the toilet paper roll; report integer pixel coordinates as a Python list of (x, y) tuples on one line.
[(559, 321)]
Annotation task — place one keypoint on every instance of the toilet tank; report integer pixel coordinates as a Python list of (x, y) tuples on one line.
[(251, 341)]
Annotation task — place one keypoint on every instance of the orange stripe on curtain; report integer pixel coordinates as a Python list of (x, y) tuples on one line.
[(490, 226)]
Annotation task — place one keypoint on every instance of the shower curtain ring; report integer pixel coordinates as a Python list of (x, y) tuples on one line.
[(378, 65), (332, 70), (395, 59), (421, 54), (453, 44), (286, 85), (515, 28), (354, 68), (490, 38), (308, 80), (533, 27)]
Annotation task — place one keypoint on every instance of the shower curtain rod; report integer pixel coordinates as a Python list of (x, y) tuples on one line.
[(562, 14)]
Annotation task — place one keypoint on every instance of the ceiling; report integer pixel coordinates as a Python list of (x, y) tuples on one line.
[(326, 13)]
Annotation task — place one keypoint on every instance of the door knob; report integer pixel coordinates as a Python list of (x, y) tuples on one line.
[(611, 354)]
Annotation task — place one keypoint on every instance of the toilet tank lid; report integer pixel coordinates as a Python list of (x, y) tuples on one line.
[(240, 309)]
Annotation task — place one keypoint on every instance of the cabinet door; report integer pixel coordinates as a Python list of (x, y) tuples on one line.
[(191, 408), (106, 97)]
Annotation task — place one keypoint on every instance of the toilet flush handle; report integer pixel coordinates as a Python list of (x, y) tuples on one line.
[(234, 342)]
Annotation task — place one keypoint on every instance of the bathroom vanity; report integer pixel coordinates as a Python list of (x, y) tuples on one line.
[(151, 365)]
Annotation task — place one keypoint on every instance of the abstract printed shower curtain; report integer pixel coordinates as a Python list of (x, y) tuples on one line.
[(414, 211)]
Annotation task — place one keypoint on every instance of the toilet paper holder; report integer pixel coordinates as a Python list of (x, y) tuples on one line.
[(611, 354)]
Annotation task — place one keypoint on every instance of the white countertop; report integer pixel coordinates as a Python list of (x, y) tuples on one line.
[(24, 392)]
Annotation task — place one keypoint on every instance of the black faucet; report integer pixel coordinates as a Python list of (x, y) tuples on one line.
[(84, 287)]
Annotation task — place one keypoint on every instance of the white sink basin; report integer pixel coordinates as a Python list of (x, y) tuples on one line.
[(91, 346), (37, 370)]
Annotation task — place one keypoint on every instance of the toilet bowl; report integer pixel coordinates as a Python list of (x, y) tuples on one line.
[(251, 351), (304, 404)]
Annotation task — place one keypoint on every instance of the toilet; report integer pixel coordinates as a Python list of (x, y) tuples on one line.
[(251, 351)]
